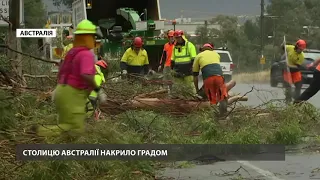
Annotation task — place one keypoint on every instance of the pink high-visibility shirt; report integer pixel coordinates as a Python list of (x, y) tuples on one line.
[(78, 61)]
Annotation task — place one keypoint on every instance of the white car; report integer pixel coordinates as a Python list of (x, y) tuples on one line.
[(226, 65)]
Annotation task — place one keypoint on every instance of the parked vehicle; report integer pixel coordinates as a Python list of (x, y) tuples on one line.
[(277, 68), (226, 63)]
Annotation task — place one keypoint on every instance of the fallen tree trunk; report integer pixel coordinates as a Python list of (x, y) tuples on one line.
[(174, 106), (231, 85), (237, 98), (148, 101)]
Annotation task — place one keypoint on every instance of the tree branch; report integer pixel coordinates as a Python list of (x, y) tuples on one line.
[(28, 55)]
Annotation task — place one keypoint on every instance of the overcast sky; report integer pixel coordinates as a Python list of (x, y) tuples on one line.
[(198, 8)]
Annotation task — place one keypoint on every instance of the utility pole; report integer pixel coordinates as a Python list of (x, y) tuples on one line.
[(13, 41), (262, 32), (274, 37), (205, 36)]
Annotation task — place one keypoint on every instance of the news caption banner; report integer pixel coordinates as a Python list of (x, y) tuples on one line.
[(175, 152), (36, 33)]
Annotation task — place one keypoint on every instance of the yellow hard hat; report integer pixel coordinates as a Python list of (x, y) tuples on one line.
[(86, 27)]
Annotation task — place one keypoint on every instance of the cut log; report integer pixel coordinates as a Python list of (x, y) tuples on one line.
[(231, 94), (231, 85), (263, 114), (38, 76), (237, 98)]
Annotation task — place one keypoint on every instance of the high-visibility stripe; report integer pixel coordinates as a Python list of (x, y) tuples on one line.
[(84, 29), (185, 62)]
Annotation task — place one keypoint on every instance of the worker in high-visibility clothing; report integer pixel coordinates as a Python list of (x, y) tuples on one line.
[(165, 62), (93, 97), (208, 62), (295, 57), (182, 59), (75, 82), (314, 86), (67, 44), (135, 60)]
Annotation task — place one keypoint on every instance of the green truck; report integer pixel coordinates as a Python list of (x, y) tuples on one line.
[(120, 21)]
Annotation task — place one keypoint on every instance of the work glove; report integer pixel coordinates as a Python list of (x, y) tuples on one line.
[(151, 72), (308, 66), (198, 97), (199, 94), (160, 69), (124, 72)]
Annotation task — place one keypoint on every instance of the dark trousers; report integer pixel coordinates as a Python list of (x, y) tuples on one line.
[(312, 89), (93, 102), (289, 94)]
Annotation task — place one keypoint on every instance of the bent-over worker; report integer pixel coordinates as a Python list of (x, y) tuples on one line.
[(135, 59), (208, 62), (182, 59), (75, 82), (295, 59)]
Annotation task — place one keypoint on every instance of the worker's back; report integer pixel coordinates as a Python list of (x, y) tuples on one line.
[(208, 62)]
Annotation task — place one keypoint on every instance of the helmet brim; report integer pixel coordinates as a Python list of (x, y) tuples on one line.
[(97, 32)]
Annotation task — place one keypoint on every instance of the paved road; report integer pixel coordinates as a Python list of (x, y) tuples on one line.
[(295, 167), (298, 166), (263, 93)]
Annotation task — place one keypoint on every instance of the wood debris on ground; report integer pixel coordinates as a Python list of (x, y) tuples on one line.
[(161, 102)]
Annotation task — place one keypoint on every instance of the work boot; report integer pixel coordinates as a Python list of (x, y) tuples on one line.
[(298, 102), (288, 94), (223, 107), (288, 100), (215, 112)]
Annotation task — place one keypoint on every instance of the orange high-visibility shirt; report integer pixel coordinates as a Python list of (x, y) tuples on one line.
[(168, 48), (318, 67)]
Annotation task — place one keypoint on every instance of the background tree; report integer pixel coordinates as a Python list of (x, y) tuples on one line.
[(293, 19), (67, 3), (35, 17)]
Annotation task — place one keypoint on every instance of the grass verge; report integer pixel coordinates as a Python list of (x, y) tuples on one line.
[(280, 126), (252, 78)]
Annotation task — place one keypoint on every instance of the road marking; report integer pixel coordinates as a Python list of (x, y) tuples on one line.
[(264, 173)]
